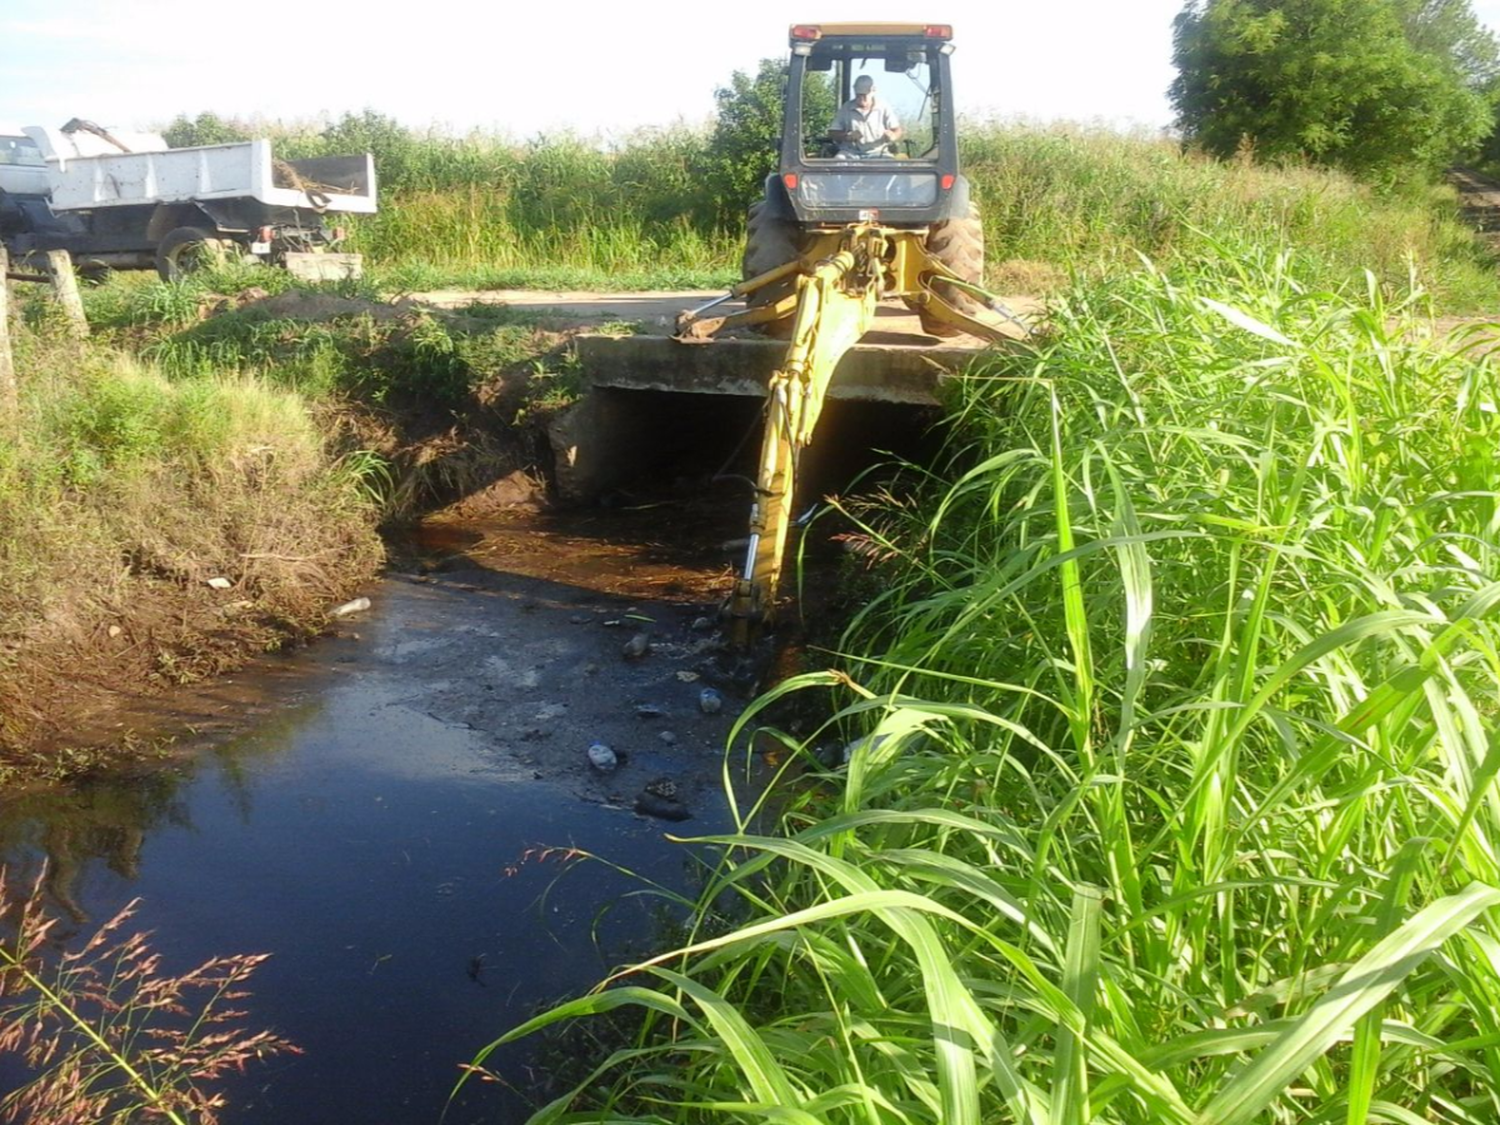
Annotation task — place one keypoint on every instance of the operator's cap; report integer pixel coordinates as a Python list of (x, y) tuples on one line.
[(863, 83)]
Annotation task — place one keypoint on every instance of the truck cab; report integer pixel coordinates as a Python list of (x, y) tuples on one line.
[(23, 168)]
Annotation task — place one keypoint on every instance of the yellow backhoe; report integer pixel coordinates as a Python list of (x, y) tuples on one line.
[(845, 224)]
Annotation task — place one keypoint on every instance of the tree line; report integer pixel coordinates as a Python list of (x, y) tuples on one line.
[(1381, 88)]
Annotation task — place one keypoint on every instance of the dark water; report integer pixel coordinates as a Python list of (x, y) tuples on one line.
[(381, 829)]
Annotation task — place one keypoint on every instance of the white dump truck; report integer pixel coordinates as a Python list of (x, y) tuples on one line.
[(120, 200)]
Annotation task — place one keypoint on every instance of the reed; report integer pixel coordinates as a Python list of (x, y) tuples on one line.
[(109, 1035), (1171, 782)]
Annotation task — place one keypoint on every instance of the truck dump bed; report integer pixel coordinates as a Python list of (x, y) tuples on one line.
[(241, 170)]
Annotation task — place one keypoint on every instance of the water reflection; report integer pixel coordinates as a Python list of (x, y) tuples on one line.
[(95, 822)]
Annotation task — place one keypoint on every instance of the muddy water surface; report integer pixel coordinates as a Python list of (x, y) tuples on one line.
[(395, 814)]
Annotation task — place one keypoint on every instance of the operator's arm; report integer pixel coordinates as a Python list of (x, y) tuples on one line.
[(893, 130)]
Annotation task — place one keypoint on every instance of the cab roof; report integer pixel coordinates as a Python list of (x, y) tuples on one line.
[(805, 32)]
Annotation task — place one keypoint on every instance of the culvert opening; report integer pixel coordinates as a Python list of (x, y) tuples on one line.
[(644, 443)]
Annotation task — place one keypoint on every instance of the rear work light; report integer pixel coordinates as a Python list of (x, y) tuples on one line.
[(806, 31)]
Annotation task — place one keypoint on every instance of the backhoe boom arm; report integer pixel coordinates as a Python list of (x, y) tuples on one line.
[(832, 308)]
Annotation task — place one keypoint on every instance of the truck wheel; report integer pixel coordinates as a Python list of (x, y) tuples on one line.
[(769, 242), (188, 249), (12, 221), (959, 245), (93, 272)]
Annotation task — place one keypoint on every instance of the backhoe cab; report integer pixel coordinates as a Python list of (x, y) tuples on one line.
[(827, 180), (823, 180)]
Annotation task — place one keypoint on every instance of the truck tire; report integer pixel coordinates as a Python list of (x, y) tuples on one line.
[(93, 272), (12, 221), (959, 244), (769, 242), (188, 249)]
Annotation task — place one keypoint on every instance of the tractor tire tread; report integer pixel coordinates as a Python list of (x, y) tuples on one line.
[(959, 244)]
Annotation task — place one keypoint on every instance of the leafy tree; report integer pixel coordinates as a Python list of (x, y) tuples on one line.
[(401, 161), (1379, 87), (743, 150), (1449, 30), (205, 129)]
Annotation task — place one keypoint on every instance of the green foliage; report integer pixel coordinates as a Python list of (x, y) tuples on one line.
[(745, 145), (420, 359), (1066, 201), (205, 129), (1448, 30), (1170, 784), (1056, 201), (1340, 82), (646, 212), (743, 149)]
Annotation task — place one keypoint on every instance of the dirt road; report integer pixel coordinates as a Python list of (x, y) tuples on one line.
[(655, 311)]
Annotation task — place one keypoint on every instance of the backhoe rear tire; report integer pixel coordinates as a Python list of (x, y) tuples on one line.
[(959, 244), (769, 242)]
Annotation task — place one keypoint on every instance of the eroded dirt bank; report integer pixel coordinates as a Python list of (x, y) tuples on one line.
[(162, 572)]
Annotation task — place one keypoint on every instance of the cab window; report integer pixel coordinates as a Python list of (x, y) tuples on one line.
[(905, 82), (22, 151)]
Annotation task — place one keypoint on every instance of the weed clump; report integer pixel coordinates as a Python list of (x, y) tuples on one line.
[(107, 1034)]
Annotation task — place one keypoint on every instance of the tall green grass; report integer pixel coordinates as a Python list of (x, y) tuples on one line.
[(117, 484), (1172, 781), (1091, 201), (1059, 201), (478, 237)]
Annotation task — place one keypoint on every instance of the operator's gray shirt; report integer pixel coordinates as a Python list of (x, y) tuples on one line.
[(869, 128)]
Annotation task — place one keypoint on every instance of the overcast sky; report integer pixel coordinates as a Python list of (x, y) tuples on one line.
[(596, 68)]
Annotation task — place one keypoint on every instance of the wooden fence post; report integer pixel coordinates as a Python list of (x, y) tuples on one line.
[(65, 286), (8, 396)]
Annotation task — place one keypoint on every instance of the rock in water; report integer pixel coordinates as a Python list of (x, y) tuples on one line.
[(710, 702), (664, 808), (662, 787), (602, 758), (637, 647)]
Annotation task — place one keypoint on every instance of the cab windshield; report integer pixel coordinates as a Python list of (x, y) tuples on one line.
[(21, 151), (904, 93)]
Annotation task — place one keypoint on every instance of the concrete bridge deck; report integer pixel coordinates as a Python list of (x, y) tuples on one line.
[(871, 372)]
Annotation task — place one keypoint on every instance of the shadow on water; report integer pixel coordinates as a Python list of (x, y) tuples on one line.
[(399, 823)]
